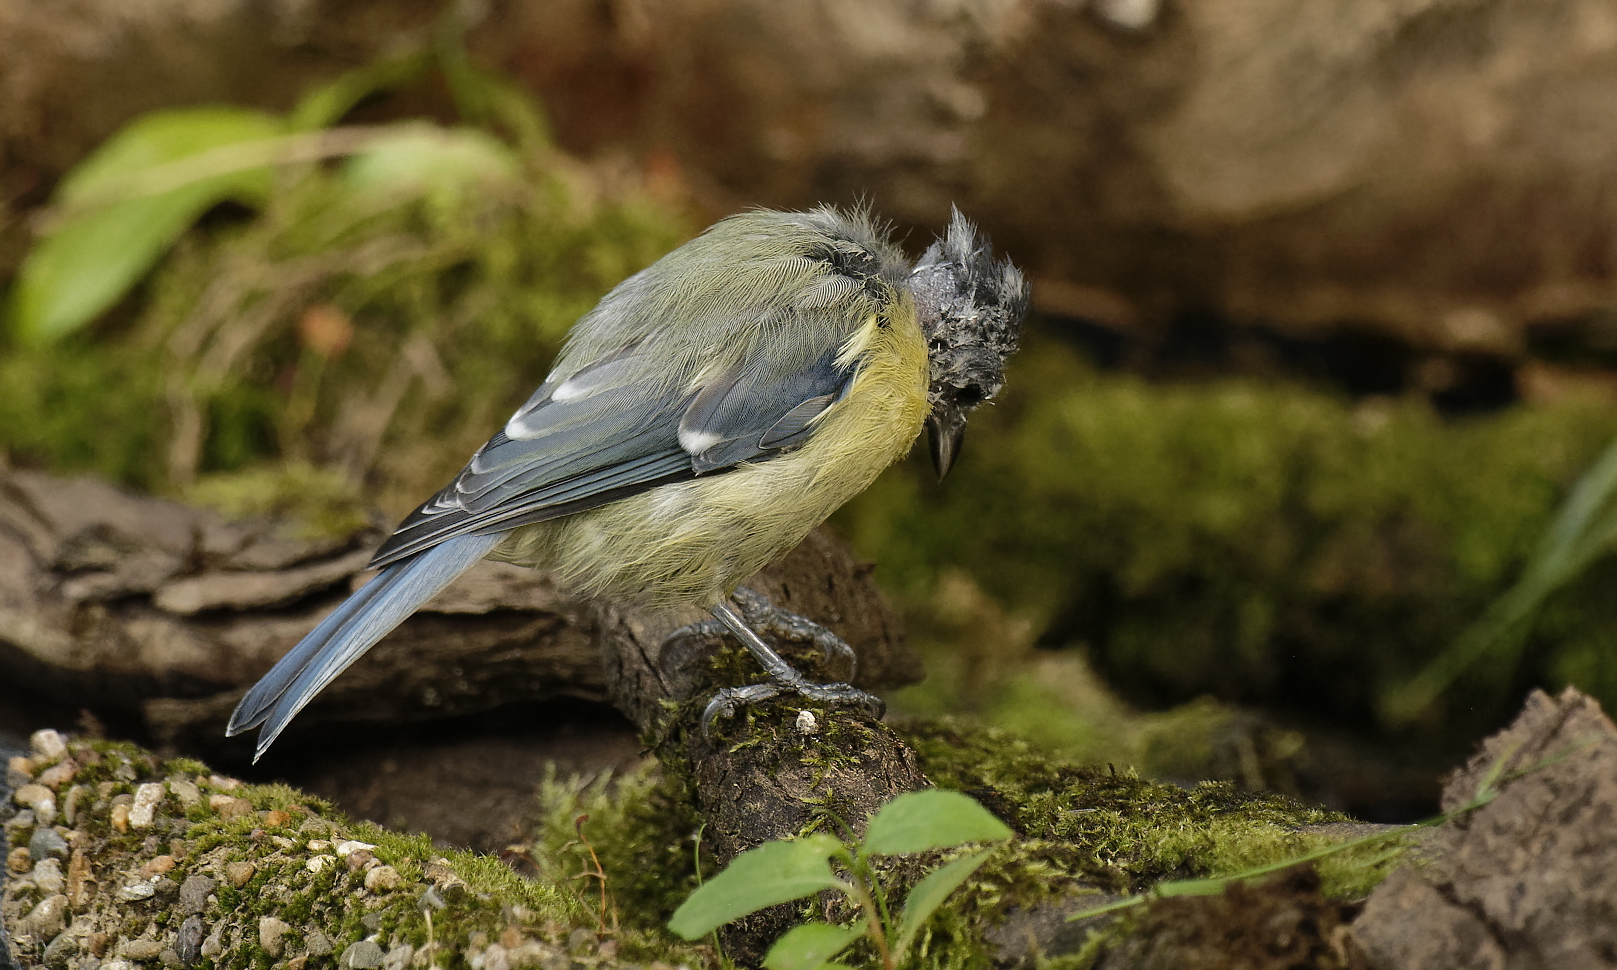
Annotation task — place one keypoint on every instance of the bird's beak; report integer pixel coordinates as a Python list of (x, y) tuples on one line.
[(946, 428)]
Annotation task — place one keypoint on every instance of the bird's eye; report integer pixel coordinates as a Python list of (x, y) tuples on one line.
[(970, 396)]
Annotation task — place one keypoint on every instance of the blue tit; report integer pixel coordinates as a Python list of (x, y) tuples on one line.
[(707, 414)]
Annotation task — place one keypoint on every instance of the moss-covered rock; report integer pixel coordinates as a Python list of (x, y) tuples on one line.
[(164, 861)]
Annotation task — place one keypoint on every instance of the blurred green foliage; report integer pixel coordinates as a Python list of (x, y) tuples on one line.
[(1265, 543), (397, 292), (126, 203), (369, 330)]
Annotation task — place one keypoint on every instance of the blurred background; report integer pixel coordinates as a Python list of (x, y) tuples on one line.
[(1300, 480)]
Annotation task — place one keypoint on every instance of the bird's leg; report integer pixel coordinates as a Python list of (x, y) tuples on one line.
[(783, 678), (760, 615)]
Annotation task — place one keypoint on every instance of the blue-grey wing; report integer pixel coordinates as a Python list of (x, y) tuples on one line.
[(610, 431)]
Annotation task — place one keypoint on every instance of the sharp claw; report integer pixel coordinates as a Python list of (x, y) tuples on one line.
[(728, 701)]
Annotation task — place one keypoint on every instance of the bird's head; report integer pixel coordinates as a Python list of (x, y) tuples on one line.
[(970, 308)]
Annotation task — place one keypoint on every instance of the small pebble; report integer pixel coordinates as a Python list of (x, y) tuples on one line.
[(277, 819), (79, 880), (72, 802), (345, 849), (317, 944), (60, 951), (229, 806), (188, 944), (144, 810), (807, 723), (362, 955), (120, 817), (194, 892), (187, 793), (318, 863), (270, 933), (19, 859), (215, 943), (47, 843), (58, 775), (117, 965), (137, 890), (48, 876), (383, 878), (239, 872), (158, 865), (165, 887), (170, 957), (399, 957), (48, 918), (140, 949), (33, 796), (361, 859), (19, 771), (47, 745)]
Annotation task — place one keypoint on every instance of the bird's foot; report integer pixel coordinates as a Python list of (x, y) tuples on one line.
[(765, 617), (729, 700)]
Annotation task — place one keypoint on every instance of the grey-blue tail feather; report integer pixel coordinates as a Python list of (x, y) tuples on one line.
[(353, 628)]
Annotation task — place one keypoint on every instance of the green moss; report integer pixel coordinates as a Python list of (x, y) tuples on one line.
[(337, 330), (643, 829), (1265, 543), (1111, 829)]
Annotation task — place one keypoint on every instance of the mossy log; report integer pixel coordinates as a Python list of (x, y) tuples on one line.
[(130, 604), (772, 770)]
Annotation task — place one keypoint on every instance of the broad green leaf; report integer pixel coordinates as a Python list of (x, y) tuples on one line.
[(930, 893), (419, 159), (775, 872), (931, 819), (812, 945), (124, 205)]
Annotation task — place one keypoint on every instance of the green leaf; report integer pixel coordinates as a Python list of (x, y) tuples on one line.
[(930, 893), (931, 819), (775, 872), (420, 159), (812, 945), (124, 205)]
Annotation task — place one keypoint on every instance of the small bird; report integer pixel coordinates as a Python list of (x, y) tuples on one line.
[(702, 419)]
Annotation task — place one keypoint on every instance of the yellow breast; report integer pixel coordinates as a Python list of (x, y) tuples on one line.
[(690, 543)]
